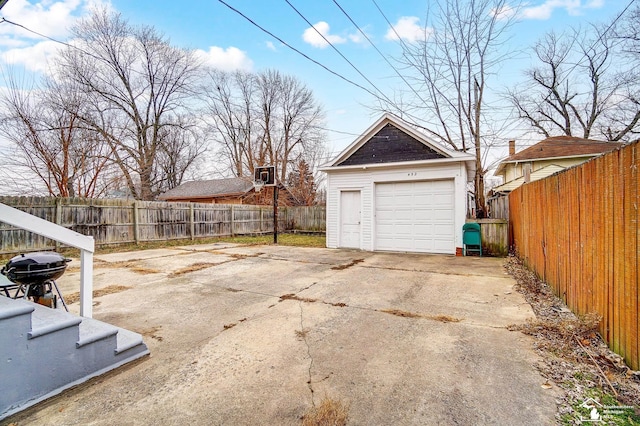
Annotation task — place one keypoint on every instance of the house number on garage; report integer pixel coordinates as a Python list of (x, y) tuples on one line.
[(412, 174)]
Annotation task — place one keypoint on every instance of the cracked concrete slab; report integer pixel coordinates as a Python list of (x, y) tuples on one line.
[(265, 332)]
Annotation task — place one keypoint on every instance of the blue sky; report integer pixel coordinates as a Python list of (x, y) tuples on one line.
[(228, 41)]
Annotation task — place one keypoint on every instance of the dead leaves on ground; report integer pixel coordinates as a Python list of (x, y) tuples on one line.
[(74, 297)]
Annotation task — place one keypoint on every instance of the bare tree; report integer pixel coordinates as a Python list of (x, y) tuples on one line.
[(581, 87), (138, 87), (262, 119), (629, 33), (450, 69), (50, 140), (301, 184), (230, 106), (180, 149)]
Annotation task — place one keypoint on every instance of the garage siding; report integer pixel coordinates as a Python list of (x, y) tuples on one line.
[(354, 181), (415, 216), (365, 180)]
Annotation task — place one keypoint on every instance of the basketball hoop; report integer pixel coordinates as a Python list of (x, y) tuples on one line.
[(258, 185)]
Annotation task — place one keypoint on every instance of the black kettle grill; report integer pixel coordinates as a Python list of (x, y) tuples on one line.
[(34, 275)]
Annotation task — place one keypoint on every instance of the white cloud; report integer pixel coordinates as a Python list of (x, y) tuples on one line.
[(408, 29), (505, 12), (270, 46), (228, 59), (545, 10), (34, 58), (312, 37), (51, 18), (358, 37)]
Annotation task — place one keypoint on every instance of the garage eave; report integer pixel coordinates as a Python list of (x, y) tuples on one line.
[(469, 160)]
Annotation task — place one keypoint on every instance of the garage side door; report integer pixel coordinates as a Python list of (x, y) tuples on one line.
[(415, 216)]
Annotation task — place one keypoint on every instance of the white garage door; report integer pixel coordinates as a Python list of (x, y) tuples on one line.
[(415, 216)]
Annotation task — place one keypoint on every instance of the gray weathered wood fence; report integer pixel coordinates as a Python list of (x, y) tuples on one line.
[(499, 207), (495, 236), (114, 221)]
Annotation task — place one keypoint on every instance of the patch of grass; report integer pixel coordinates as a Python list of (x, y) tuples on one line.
[(74, 297), (295, 240), (330, 412), (284, 239), (609, 409), (192, 268)]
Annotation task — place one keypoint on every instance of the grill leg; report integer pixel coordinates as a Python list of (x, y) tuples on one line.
[(60, 295)]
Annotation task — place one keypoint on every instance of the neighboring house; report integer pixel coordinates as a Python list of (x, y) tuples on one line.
[(394, 189), (238, 190), (546, 158), (214, 191)]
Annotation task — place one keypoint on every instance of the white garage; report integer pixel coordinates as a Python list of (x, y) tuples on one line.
[(393, 189)]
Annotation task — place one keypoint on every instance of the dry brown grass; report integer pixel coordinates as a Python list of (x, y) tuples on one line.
[(405, 314), (191, 268), (442, 318), (347, 265), (131, 265), (298, 298), (559, 335), (399, 313), (575, 357), (302, 334), (74, 297), (330, 412)]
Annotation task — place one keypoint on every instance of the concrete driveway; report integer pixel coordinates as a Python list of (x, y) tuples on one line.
[(252, 335)]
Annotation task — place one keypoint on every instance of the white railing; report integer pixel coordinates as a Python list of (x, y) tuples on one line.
[(34, 224)]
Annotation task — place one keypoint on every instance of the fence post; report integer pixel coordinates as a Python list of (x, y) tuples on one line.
[(192, 225), (58, 216), (261, 219), (136, 228), (232, 224)]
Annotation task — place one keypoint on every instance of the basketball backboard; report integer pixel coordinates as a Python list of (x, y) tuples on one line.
[(266, 175)]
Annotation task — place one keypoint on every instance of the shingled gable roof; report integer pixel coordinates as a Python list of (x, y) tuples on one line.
[(379, 127), (209, 189), (560, 147)]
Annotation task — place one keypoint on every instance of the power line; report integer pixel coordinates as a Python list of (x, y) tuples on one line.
[(296, 50), (404, 46), (3, 20), (379, 52), (599, 39), (414, 118), (337, 50)]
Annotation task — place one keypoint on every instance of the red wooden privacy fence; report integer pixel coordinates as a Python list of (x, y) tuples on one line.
[(578, 230)]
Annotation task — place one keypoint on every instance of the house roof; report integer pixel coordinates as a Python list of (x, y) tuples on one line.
[(560, 147), (209, 189), (541, 173), (444, 155)]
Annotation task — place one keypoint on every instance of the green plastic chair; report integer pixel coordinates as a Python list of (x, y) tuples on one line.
[(471, 238)]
